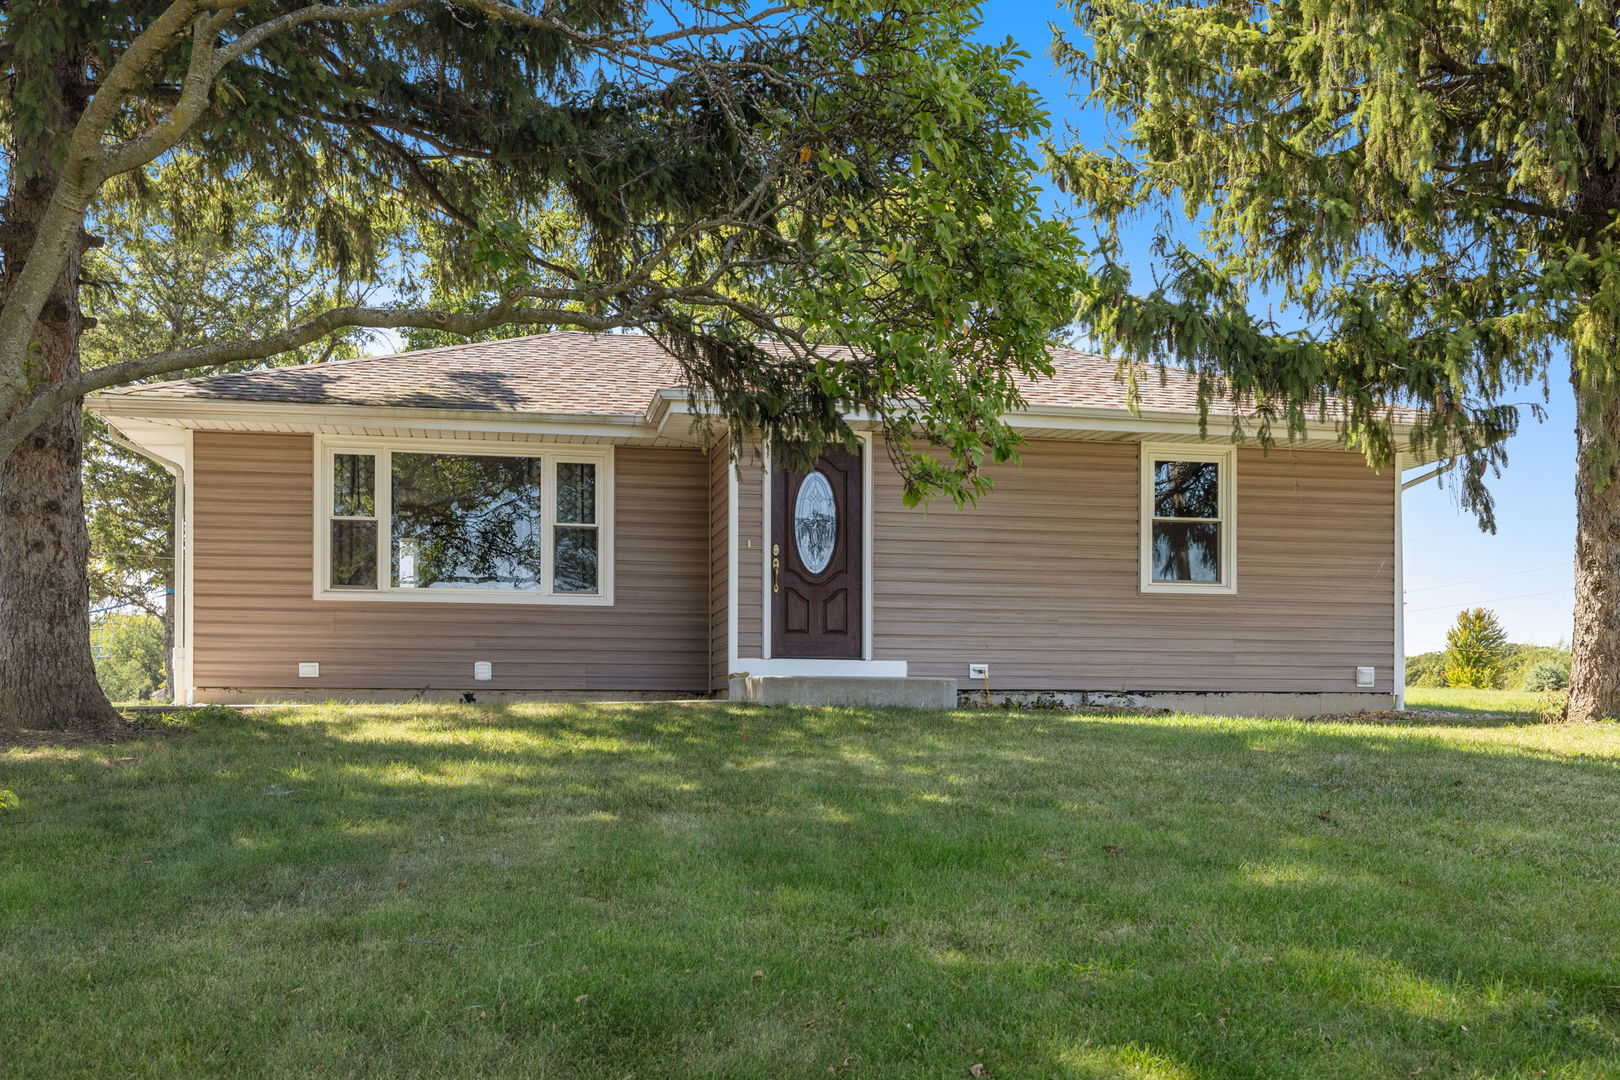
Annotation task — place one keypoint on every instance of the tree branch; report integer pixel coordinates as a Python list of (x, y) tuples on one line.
[(59, 227), (508, 311)]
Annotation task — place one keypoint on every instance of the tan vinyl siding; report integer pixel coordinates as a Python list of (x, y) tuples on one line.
[(751, 543), (1041, 579), (256, 618), (719, 562)]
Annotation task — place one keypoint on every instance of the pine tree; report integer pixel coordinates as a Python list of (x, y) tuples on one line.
[(1413, 202), (1476, 648), (837, 173)]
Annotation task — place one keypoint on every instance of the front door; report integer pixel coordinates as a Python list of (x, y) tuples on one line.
[(816, 559)]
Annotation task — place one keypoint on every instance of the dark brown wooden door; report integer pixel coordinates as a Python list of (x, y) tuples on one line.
[(816, 559)]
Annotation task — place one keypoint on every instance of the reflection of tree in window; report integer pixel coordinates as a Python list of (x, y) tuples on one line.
[(354, 524), (354, 485), (354, 554), (466, 521), (1186, 521), (574, 561)]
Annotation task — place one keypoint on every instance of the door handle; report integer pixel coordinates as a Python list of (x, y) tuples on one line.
[(776, 568)]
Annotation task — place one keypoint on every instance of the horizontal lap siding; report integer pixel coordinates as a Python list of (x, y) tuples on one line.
[(751, 543), (1041, 579), (719, 562), (256, 620)]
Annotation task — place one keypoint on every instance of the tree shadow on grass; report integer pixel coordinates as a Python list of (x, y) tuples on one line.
[(1045, 894)]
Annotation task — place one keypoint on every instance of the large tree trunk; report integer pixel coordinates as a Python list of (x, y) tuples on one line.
[(1594, 687), (47, 677)]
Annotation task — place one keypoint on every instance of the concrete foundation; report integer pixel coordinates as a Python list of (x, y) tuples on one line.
[(860, 691), (237, 695), (1264, 704)]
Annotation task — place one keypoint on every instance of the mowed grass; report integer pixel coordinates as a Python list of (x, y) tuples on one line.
[(710, 890), (1517, 704)]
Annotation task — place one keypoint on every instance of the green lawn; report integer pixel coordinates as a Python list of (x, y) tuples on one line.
[(705, 891), (1501, 704)]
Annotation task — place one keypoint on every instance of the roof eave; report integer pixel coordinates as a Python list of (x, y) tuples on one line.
[(671, 415)]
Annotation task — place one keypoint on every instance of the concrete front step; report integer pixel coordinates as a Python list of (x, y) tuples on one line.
[(859, 690)]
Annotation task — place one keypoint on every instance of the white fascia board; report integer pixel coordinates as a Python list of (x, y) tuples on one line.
[(1104, 420), (670, 416), (337, 419)]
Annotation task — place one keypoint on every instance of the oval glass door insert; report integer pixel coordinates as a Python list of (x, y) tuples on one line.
[(815, 523)]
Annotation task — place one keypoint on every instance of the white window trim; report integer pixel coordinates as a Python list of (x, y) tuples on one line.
[(549, 453), (1226, 459)]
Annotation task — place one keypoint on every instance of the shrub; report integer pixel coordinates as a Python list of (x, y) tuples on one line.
[(129, 656), (1547, 675), (1426, 669), (1475, 650)]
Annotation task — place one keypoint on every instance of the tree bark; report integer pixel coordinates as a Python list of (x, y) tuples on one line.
[(47, 676), (1594, 686)]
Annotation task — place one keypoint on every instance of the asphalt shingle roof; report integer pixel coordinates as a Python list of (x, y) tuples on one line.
[(593, 374)]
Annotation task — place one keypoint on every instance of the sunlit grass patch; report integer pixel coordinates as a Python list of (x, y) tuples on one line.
[(693, 891), (1516, 703)]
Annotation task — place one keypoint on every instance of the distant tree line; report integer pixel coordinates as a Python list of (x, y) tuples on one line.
[(1478, 654)]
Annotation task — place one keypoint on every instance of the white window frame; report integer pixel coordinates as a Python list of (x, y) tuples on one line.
[(1225, 459), (550, 455)]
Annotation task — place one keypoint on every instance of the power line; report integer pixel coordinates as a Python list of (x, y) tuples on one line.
[(1497, 600), (1487, 577)]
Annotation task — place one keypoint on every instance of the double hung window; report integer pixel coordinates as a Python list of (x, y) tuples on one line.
[(1188, 532)]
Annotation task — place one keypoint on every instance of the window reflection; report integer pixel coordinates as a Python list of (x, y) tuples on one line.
[(1186, 489), (1187, 551), (466, 522), (1186, 537), (354, 555)]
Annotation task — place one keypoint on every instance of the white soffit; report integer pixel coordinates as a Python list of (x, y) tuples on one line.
[(669, 421)]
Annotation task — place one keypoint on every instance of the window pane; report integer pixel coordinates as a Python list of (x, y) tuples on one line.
[(354, 555), (576, 493), (466, 521), (354, 485), (576, 561), (1187, 551), (1186, 489)]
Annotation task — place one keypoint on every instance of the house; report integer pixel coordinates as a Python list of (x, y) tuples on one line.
[(543, 516)]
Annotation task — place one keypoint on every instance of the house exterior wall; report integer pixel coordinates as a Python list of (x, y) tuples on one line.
[(751, 552), (719, 563), (256, 618), (1041, 579)]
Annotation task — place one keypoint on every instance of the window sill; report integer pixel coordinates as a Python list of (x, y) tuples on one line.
[(469, 596), (1161, 588)]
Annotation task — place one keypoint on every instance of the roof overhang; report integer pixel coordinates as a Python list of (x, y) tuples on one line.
[(671, 420)]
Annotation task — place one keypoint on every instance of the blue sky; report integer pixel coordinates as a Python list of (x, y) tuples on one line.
[(1524, 570)]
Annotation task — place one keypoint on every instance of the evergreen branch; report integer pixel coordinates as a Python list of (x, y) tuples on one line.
[(644, 303), (195, 91), (58, 230)]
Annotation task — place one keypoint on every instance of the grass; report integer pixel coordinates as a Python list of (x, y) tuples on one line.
[(703, 891), (1510, 704)]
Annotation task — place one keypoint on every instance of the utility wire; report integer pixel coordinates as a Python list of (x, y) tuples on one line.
[(1488, 577), (1497, 600)]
